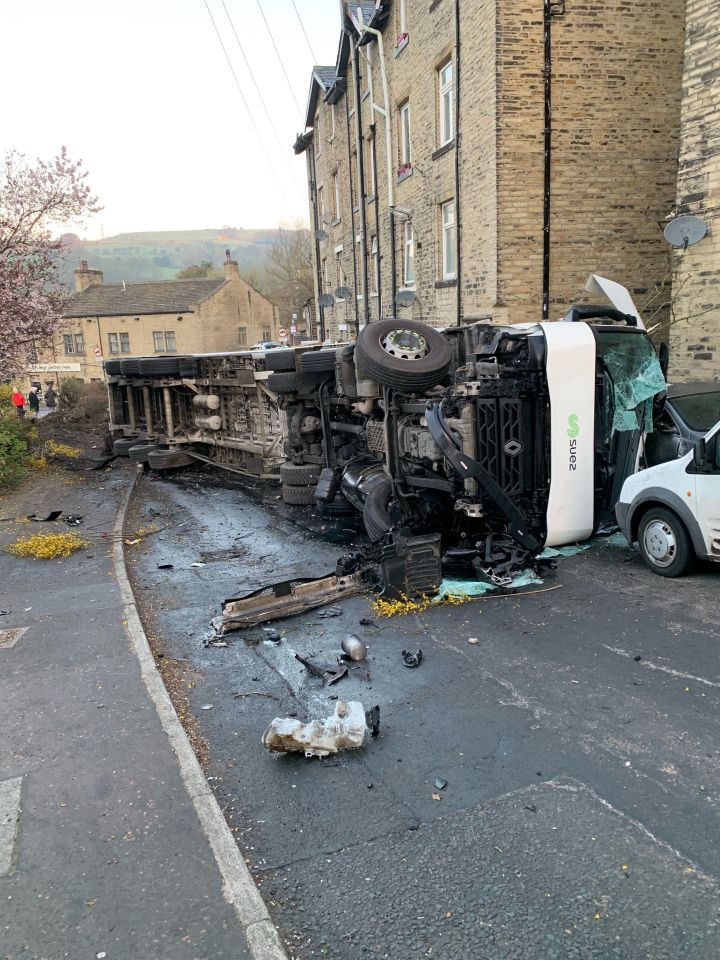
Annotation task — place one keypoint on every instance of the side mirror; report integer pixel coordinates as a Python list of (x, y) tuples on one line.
[(700, 453)]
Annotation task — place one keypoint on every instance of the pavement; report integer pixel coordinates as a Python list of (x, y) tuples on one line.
[(102, 853), (578, 738)]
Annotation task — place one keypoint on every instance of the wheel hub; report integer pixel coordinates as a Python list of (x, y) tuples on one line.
[(660, 543), (405, 344)]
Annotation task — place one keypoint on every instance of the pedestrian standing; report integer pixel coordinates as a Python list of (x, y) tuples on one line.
[(34, 401), (17, 399), (50, 400)]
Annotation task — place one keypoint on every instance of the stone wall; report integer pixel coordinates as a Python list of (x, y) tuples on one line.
[(695, 337)]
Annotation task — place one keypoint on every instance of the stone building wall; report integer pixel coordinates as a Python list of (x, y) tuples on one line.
[(695, 338)]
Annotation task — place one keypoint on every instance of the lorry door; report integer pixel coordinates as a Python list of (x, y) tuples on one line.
[(570, 368), (707, 497)]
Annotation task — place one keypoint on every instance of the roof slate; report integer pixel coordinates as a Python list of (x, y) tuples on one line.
[(162, 296)]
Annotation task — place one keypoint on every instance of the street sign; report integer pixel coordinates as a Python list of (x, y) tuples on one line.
[(293, 329), (54, 368), (342, 326), (282, 332), (98, 353)]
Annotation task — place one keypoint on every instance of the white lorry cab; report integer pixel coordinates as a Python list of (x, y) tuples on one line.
[(672, 510)]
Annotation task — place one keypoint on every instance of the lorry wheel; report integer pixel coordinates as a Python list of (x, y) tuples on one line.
[(317, 361), (664, 543), (403, 354), (298, 495), (299, 475), (283, 382), (168, 459), (121, 447), (280, 360), (139, 453)]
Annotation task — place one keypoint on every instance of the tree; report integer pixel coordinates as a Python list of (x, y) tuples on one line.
[(289, 271), (34, 199), (198, 271)]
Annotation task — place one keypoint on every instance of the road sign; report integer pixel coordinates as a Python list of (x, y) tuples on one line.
[(282, 332), (98, 353), (293, 329)]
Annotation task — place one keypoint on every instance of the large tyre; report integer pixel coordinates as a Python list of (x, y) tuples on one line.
[(139, 453), (298, 495), (162, 459), (665, 543), (129, 367), (159, 366), (339, 507), (375, 515), (317, 361), (403, 354), (188, 367), (280, 360), (302, 475), (112, 367), (283, 382), (121, 447)]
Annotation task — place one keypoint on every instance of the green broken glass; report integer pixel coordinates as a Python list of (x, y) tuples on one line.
[(634, 377)]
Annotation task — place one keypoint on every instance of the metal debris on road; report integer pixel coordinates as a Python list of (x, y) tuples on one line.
[(330, 675), (473, 640), (412, 659), (53, 515), (254, 693), (344, 730), (354, 648), (440, 783), (166, 566), (206, 706), (330, 612), (372, 718)]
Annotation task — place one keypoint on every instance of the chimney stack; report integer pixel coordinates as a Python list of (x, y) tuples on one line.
[(85, 277), (230, 266)]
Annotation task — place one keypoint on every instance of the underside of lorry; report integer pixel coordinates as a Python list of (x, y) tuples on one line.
[(471, 447)]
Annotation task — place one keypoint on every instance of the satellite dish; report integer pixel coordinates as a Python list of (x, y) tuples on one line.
[(685, 231), (321, 234), (326, 300), (342, 293), (403, 298)]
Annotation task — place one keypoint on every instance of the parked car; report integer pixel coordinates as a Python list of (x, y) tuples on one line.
[(672, 510), (689, 411), (266, 345)]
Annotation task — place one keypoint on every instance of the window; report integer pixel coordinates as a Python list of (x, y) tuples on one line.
[(405, 134), (124, 343), (266, 335), (73, 343), (445, 87), (324, 275), (375, 275), (339, 272), (318, 135), (164, 341), (336, 196), (449, 248), (242, 336), (119, 342), (409, 256), (332, 121), (321, 204), (372, 178)]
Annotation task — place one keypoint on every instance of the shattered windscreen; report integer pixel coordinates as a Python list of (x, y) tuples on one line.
[(634, 378)]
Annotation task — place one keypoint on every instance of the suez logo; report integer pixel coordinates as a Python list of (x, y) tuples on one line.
[(573, 431)]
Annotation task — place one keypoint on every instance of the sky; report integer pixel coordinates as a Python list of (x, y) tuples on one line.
[(141, 91)]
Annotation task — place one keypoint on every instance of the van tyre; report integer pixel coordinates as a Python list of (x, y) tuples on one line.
[(403, 354), (168, 459), (283, 382), (299, 475), (665, 543), (298, 495)]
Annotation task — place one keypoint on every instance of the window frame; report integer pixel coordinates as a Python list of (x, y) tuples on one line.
[(170, 334), (445, 94), (113, 344), (372, 172), (405, 141), (336, 197), (408, 255), (448, 231), (375, 266), (68, 341)]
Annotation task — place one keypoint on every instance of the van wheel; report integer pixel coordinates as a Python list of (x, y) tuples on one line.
[(664, 543)]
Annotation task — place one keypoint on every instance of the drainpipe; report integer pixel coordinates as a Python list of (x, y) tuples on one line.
[(458, 230), (352, 218), (361, 181), (313, 192), (551, 8), (373, 147)]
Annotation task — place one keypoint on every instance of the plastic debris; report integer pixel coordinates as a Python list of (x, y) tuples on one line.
[(165, 566), (440, 783), (344, 730), (372, 719), (206, 706), (53, 515), (354, 648), (330, 612), (197, 564), (473, 640), (412, 659), (271, 634)]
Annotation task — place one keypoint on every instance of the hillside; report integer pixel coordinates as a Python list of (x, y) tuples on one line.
[(158, 255)]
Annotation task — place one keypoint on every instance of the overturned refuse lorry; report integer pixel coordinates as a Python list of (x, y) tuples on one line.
[(472, 447)]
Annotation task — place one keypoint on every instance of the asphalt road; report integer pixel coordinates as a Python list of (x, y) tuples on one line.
[(578, 738)]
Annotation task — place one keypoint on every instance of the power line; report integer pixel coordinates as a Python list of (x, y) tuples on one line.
[(302, 27), (283, 150), (249, 113), (280, 60)]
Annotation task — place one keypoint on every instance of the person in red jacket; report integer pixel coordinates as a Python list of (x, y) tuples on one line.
[(18, 401)]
